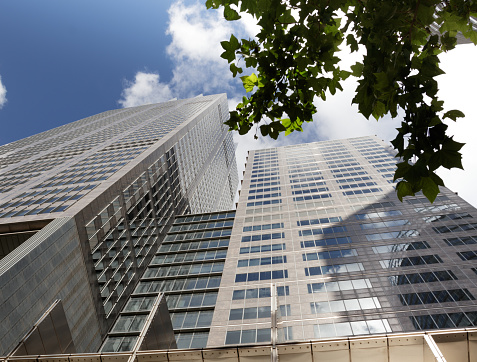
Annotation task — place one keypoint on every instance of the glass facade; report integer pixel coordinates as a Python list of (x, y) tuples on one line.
[(353, 259)]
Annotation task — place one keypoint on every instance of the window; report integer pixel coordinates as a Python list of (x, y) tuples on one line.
[(393, 248), (425, 277), (246, 336), (323, 220), (341, 253), (461, 240), (262, 248), (344, 305), (467, 255), (392, 235), (280, 259), (263, 227), (191, 300), (259, 293), (436, 296), (410, 261), (265, 275), (197, 319), (373, 215), (342, 285), (455, 228), (334, 269), (326, 242), (327, 230), (450, 320), (373, 326), (262, 237)]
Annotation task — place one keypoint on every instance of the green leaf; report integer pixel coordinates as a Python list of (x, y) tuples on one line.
[(454, 114), (234, 69), (230, 47), (357, 69), (429, 188), (230, 14), (249, 82), (404, 188)]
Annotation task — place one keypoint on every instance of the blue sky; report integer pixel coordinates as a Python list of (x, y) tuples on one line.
[(61, 61)]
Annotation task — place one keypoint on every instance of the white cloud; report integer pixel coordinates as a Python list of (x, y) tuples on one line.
[(146, 88), (457, 89), (3, 94), (197, 68)]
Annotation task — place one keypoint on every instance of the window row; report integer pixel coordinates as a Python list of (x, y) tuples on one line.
[(192, 340), (392, 235), (461, 240), (467, 255), (327, 230), (341, 285), (362, 191), (410, 261), (373, 215), (279, 259), (198, 235), (262, 237), (341, 170), (265, 275), (361, 184), (267, 169), (344, 305), (265, 174), (307, 178), (259, 218), (445, 320), (194, 218), (262, 248), (425, 277), (191, 300), (323, 220), (436, 296), (394, 248), (264, 196), (309, 184), (248, 336), (177, 284), (193, 245), (169, 271), (273, 183), (268, 189), (310, 191), (189, 257), (255, 293), (326, 242), (274, 178), (458, 216), (198, 319), (201, 226), (342, 253), (257, 312), (334, 269), (437, 208), (455, 228), (261, 203), (349, 174), (375, 326), (311, 197), (278, 225)]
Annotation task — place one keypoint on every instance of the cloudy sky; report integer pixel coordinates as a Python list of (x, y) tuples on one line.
[(65, 60)]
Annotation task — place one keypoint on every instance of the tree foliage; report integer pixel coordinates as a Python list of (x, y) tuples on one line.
[(295, 61)]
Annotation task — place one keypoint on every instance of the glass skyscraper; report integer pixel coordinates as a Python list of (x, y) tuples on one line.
[(320, 232), (85, 206), (107, 219)]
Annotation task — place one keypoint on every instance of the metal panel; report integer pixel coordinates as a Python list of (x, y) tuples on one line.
[(115, 357), (194, 355), (152, 356), (406, 348), (453, 346), (473, 346), (295, 353), (331, 351), (255, 354), (220, 355), (33, 343), (85, 357), (369, 349)]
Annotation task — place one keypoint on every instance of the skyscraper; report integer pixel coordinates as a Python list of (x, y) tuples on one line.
[(319, 229), (319, 250), (84, 207)]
